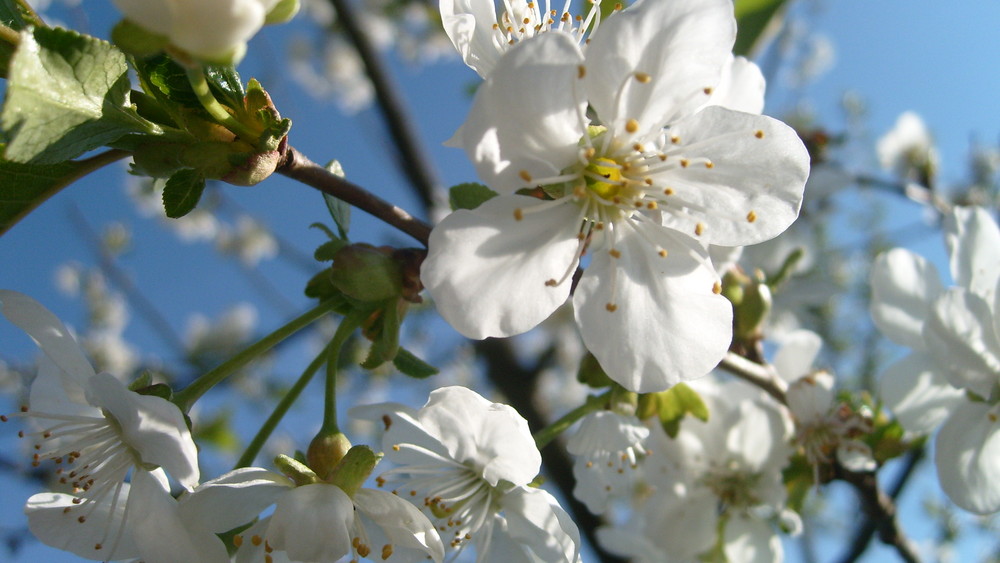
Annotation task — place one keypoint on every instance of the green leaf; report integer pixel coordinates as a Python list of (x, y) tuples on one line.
[(182, 192), (67, 94), (677, 402), (412, 366), (326, 251), (469, 196), (339, 209), (24, 187), (592, 374), (752, 19)]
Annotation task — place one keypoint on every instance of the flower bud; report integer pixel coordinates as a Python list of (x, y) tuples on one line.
[(366, 273), (325, 452)]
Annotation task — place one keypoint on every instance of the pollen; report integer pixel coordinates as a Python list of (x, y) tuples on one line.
[(717, 288), (709, 164), (551, 283), (631, 125), (675, 139), (668, 191), (662, 253), (759, 134), (707, 91), (581, 71), (699, 229), (256, 540), (752, 216), (386, 551), (524, 175), (611, 307), (395, 447), (615, 253), (518, 214), (685, 162), (643, 77)]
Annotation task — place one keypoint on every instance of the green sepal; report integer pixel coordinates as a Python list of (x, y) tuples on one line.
[(469, 195), (673, 405), (354, 469), (329, 249), (282, 12), (137, 40), (385, 330), (182, 192), (591, 374), (67, 94), (366, 273), (412, 366), (298, 472)]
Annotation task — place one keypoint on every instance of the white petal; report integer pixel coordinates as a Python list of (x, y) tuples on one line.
[(741, 87), (753, 189), (904, 288), (682, 45), (48, 332), (536, 520), (312, 523), (961, 338), (973, 241), (487, 271), (160, 533), (525, 118), (918, 393), (489, 436), (151, 425), (402, 523), (213, 29), (811, 397), (468, 24), (626, 543), (967, 455), (668, 326), (796, 354), (53, 392), (233, 499), (683, 526), (751, 541), (855, 455), (756, 438), (53, 525)]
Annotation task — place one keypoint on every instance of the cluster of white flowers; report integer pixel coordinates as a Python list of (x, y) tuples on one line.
[(951, 379)]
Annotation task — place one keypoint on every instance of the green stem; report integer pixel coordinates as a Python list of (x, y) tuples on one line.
[(344, 331), (281, 409), (196, 76), (30, 13), (187, 396), (549, 433)]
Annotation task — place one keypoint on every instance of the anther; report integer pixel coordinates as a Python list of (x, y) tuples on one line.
[(752, 216), (707, 91), (611, 307), (675, 139), (631, 125), (668, 191), (81, 519), (525, 176), (709, 164), (759, 134), (699, 229), (643, 77), (717, 288), (581, 71), (256, 540), (395, 447), (615, 253), (364, 550), (551, 283), (238, 540), (662, 253), (638, 148), (652, 205), (992, 417), (685, 162), (386, 551), (518, 216)]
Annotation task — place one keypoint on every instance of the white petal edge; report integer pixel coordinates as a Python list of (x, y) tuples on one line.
[(967, 455), (904, 289)]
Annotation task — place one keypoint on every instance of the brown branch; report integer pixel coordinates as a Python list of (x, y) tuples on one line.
[(762, 376), (518, 385), (297, 166)]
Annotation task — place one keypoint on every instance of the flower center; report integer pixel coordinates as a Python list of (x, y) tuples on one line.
[(604, 178), (734, 488)]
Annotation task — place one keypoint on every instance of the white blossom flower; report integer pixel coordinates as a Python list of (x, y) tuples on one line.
[(607, 447), (208, 29), (728, 468), (952, 376), (824, 428), (250, 241), (316, 522), (96, 431), (482, 35), (469, 461), (908, 148), (643, 199)]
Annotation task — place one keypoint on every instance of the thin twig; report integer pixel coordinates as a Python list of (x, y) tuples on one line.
[(414, 161), (146, 309), (762, 376), (879, 520), (298, 167)]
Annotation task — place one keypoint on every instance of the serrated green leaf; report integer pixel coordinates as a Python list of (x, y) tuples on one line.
[(469, 195), (752, 19), (182, 192), (412, 366), (226, 84), (67, 94)]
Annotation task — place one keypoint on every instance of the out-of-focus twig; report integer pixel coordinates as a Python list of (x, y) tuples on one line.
[(414, 163)]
